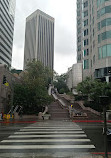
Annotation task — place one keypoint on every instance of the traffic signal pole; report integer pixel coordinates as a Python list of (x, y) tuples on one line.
[(105, 133)]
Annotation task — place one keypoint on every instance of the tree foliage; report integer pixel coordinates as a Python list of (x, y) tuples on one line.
[(60, 83), (93, 89), (32, 94)]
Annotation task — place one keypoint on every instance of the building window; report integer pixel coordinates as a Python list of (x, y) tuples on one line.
[(79, 21), (93, 43), (86, 32), (90, 38), (93, 20), (78, 13), (79, 57), (103, 11), (94, 59), (91, 63), (79, 48), (85, 4), (79, 39), (85, 13), (99, 53), (79, 30), (99, 26), (86, 42), (86, 52), (86, 64), (100, 2), (104, 36), (104, 51), (78, 5), (99, 38), (86, 22), (108, 47), (105, 22)]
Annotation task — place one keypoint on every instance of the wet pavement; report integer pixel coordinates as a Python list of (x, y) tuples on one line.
[(46, 139)]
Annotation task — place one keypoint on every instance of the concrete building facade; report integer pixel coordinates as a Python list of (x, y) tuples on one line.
[(7, 10), (74, 76), (6, 91), (39, 39), (94, 38)]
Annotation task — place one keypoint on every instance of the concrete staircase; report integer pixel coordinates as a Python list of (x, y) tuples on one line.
[(58, 112)]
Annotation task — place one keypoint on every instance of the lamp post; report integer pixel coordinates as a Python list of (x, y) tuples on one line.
[(104, 102)]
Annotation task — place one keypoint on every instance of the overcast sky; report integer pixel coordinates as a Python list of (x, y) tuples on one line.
[(64, 13)]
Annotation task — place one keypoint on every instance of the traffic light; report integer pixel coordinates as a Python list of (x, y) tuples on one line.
[(4, 79)]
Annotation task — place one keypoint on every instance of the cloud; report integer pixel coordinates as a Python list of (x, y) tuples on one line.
[(63, 62)]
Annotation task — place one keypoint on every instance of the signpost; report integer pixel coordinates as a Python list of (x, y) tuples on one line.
[(104, 100)]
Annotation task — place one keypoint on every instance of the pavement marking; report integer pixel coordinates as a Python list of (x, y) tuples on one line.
[(51, 129), (62, 135), (69, 132), (45, 140), (47, 147)]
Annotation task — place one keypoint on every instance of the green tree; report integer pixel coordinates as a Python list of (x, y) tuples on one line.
[(32, 94), (93, 89), (60, 83)]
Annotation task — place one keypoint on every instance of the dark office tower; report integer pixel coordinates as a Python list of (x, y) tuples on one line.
[(39, 39), (94, 38), (7, 9)]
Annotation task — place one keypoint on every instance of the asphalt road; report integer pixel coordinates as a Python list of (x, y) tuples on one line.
[(51, 139)]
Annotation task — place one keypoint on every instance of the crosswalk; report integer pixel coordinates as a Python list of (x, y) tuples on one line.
[(47, 137)]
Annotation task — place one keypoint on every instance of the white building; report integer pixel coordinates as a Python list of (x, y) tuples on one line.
[(39, 39), (74, 76), (7, 10)]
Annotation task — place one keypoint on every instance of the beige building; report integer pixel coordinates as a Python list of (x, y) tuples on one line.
[(74, 76), (39, 39), (94, 38), (6, 92)]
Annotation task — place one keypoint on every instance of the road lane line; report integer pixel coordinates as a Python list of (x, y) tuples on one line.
[(46, 147), (45, 140), (62, 135)]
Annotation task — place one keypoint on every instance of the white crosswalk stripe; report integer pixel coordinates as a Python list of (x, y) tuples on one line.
[(34, 136), (69, 132), (62, 129), (46, 140), (47, 137), (46, 146)]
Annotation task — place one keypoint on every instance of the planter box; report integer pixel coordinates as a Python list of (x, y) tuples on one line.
[(46, 116)]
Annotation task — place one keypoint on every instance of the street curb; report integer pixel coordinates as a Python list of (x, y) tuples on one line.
[(89, 121)]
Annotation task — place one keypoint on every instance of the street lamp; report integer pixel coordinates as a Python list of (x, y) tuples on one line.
[(104, 100)]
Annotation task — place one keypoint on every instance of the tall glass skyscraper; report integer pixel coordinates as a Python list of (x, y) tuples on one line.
[(7, 10), (39, 39), (94, 38)]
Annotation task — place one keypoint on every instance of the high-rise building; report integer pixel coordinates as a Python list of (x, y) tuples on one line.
[(7, 9), (39, 39), (94, 38)]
